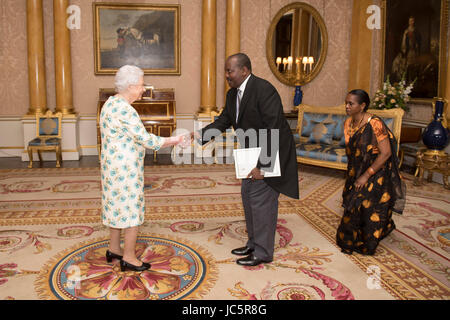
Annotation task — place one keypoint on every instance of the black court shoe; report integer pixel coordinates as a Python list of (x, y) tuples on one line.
[(110, 256), (124, 266)]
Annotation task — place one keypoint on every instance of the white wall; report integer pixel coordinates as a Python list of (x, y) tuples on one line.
[(11, 136)]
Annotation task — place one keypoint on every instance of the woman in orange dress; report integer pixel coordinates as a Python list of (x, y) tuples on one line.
[(373, 187)]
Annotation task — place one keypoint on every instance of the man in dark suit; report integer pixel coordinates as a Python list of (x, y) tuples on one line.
[(254, 104)]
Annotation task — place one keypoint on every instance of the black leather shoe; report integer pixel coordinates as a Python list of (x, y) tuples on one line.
[(244, 251), (251, 261), (124, 266), (110, 256)]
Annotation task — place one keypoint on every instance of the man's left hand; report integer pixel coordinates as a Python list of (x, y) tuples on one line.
[(255, 174)]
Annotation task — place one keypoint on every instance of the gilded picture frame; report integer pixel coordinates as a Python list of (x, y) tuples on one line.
[(415, 44), (145, 35)]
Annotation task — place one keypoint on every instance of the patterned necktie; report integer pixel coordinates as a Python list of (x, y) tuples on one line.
[(238, 103)]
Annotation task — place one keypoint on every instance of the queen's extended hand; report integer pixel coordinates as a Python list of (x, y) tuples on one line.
[(185, 141)]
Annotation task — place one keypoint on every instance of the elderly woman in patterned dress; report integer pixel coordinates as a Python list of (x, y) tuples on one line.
[(124, 139)]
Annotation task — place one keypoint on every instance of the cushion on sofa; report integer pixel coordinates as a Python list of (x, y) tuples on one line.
[(322, 132), (339, 129), (311, 119)]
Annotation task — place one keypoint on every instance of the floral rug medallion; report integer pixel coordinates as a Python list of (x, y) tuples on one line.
[(179, 270)]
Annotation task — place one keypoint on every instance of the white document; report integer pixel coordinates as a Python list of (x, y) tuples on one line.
[(245, 160)]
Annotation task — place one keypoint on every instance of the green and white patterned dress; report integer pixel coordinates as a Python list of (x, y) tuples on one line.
[(124, 139)]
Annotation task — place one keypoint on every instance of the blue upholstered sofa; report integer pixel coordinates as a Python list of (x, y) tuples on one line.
[(319, 137)]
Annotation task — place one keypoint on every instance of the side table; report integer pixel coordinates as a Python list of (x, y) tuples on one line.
[(432, 161), (411, 150)]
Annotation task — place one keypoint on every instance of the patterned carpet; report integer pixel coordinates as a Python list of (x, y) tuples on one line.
[(52, 242)]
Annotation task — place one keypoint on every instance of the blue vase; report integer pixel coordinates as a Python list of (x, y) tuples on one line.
[(298, 97), (435, 136)]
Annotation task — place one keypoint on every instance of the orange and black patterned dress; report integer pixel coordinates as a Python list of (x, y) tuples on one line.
[(367, 215)]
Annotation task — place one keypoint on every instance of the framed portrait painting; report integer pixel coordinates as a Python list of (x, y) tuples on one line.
[(415, 44), (147, 36)]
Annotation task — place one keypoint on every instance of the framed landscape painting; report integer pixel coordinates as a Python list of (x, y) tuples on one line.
[(147, 36), (415, 44)]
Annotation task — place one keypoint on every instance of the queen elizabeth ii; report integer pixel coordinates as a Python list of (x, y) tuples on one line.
[(124, 140)]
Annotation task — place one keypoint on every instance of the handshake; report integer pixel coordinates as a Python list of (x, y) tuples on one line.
[(182, 140)]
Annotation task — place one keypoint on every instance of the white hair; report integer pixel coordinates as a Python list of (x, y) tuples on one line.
[(127, 75)]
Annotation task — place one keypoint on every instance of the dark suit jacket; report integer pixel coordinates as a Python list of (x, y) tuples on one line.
[(261, 108)]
